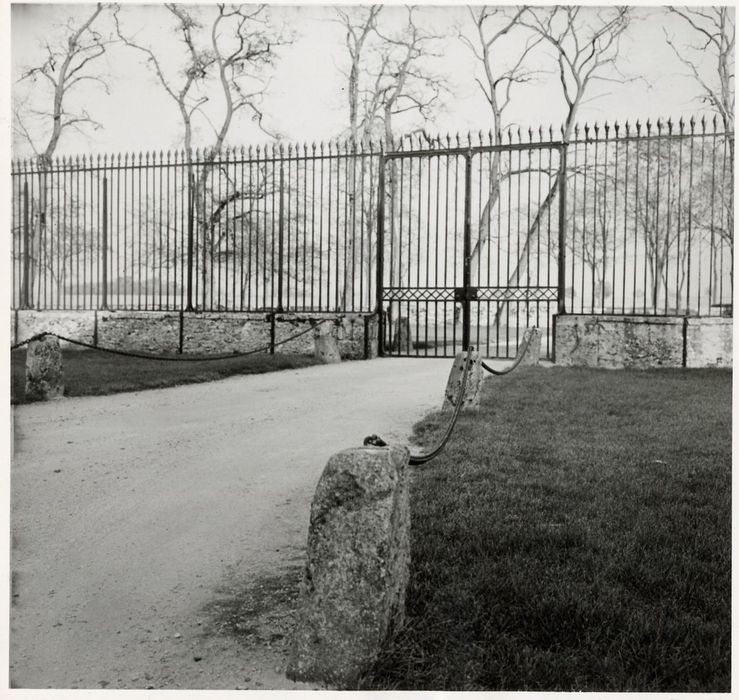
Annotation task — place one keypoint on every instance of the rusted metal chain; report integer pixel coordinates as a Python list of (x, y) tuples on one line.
[(161, 358), (528, 334), (38, 336), (416, 460)]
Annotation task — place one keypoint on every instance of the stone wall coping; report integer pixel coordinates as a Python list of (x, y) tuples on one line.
[(613, 341), (615, 318), (710, 321), (106, 314), (718, 320)]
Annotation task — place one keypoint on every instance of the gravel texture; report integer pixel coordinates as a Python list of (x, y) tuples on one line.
[(158, 537)]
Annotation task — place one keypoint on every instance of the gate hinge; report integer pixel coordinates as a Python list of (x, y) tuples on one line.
[(465, 293)]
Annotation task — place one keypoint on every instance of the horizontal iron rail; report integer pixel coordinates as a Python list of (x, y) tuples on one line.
[(503, 292), (473, 150)]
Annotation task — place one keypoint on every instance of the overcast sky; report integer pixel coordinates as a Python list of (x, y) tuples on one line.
[(305, 100)]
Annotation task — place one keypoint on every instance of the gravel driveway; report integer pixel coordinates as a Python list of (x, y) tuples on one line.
[(158, 537)]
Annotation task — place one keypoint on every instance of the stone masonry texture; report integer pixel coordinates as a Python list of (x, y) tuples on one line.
[(44, 375), (353, 592), (79, 325), (202, 333), (640, 342), (617, 342), (533, 352), (471, 398), (709, 342), (326, 344)]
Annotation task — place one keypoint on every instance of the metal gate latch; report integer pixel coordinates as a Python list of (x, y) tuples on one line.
[(465, 293)]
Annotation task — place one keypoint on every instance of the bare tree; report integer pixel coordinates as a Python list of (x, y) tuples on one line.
[(403, 82), (490, 46), (660, 214), (360, 25), (227, 57), (594, 237), (389, 75), (72, 59), (586, 44), (182, 87), (714, 29)]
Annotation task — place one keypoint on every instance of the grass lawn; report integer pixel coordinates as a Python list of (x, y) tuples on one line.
[(574, 535), (91, 372)]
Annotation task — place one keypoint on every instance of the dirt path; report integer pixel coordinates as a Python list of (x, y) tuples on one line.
[(158, 537)]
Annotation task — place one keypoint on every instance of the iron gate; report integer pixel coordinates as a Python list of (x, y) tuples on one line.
[(470, 249)]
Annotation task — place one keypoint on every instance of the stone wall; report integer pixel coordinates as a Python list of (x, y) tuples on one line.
[(206, 333), (138, 331), (79, 325), (709, 342), (640, 342)]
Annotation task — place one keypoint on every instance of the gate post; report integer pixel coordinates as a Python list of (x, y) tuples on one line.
[(190, 234), (561, 272), (467, 249), (104, 261), (380, 256), (26, 290), (281, 235)]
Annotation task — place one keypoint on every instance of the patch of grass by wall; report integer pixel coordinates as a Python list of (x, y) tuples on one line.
[(575, 535), (92, 373)]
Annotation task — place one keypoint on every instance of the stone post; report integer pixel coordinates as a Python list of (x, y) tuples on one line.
[(471, 398), (353, 591), (533, 352), (402, 338), (327, 344), (44, 378)]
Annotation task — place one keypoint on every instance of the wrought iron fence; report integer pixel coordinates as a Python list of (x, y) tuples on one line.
[(641, 222), (469, 227), (279, 227), (650, 219)]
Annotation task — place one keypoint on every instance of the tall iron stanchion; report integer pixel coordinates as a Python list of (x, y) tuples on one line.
[(467, 250), (104, 261), (380, 256), (281, 240), (190, 237), (26, 297), (561, 272)]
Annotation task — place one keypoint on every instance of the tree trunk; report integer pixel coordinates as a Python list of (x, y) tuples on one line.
[(523, 255), (483, 237)]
